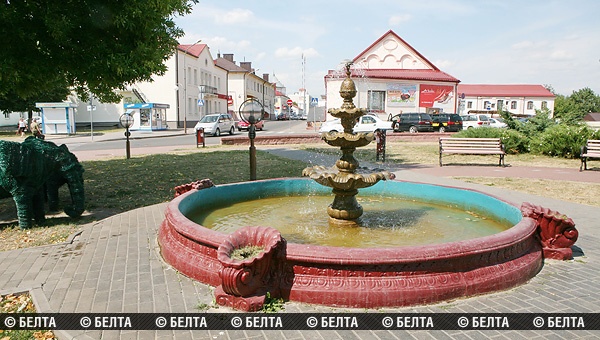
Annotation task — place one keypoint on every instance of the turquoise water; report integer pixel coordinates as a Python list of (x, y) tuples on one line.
[(298, 209)]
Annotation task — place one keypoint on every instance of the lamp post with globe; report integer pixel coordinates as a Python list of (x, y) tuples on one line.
[(126, 121), (252, 112)]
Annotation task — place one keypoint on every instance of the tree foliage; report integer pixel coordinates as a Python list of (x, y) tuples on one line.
[(571, 109), (96, 46)]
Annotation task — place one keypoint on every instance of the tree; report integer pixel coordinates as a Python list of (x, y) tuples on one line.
[(573, 108), (96, 46)]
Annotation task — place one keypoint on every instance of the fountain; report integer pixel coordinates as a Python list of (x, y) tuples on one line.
[(345, 181), (344, 276)]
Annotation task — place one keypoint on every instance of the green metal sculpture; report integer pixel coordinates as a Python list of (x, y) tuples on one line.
[(27, 168)]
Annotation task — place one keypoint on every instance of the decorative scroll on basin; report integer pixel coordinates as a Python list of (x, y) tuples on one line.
[(245, 282), (557, 231)]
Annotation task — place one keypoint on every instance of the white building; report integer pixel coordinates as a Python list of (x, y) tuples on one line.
[(392, 77), (519, 100), (244, 84), (192, 87)]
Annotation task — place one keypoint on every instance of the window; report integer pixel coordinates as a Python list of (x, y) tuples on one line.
[(530, 105), (500, 104), (513, 105), (195, 77), (487, 105), (544, 105), (376, 100), (469, 105)]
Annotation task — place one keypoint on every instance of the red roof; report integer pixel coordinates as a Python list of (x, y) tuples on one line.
[(193, 50), (404, 74), (487, 90)]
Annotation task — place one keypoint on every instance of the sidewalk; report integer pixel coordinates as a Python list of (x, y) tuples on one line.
[(114, 266)]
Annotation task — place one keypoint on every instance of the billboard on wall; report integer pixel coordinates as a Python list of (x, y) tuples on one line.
[(430, 95), (401, 95)]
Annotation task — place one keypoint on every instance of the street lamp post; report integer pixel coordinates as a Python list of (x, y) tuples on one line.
[(185, 99), (126, 121), (248, 111)]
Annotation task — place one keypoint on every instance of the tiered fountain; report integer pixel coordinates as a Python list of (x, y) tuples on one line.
[(345, 181), (365, 277)]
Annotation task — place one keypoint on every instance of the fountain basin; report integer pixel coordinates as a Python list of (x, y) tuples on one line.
[(364, 277)]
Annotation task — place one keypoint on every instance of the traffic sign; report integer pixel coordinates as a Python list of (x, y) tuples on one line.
[(314, 101), (200, 102), (290, 102)]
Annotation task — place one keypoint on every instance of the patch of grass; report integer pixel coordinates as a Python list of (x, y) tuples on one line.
[(117, 185), (576, 192), (21, 303), (245, 253), (272, 305)]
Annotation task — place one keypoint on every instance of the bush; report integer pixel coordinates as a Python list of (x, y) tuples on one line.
[(484, 132), (513, 140), (562, 140)]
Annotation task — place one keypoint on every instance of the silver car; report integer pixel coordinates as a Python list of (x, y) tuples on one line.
[(216, 123)]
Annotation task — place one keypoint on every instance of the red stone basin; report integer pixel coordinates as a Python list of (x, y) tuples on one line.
[(366, 278)]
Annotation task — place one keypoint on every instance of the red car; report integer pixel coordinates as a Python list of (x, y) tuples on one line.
[(243, 125)]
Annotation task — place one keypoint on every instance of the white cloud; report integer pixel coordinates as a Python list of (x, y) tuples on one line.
[(285, 52), (398, 19), (442, 64), (561, 55), (235, 16)]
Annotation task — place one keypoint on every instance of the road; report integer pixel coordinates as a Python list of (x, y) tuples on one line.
[(113, 144)]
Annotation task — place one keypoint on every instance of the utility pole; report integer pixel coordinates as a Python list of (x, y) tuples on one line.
[(304, 85)]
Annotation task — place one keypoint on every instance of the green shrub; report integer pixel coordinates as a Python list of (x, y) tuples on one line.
[(484, 132), (513, 140), (561, 140)]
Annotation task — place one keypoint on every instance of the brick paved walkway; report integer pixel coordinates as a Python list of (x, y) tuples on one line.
[(114, 265)]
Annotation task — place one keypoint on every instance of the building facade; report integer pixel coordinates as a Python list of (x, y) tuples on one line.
[(244, 84), (519, 100), (392, 77)]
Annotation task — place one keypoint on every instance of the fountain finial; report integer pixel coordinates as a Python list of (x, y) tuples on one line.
[(348, 89)]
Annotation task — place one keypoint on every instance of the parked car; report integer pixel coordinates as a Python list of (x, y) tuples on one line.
[(475, 121), (443, 122), (365, 123), (244, 125), (214, 124), (412, 122), (497, 123)]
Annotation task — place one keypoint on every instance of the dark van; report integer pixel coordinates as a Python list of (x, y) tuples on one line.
[(412, 122), (443, 122)]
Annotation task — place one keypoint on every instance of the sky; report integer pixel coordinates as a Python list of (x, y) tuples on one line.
[(544, 42)]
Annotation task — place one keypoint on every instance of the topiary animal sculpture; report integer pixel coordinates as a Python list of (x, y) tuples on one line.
[(26, 167)]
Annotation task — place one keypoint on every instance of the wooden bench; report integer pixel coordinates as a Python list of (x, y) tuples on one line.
[(473, 146), (591, 149)]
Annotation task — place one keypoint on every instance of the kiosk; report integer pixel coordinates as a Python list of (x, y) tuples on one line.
[(57, 118), (148, 116)]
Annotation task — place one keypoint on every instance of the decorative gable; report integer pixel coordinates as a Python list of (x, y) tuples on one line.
[(392, 52)]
